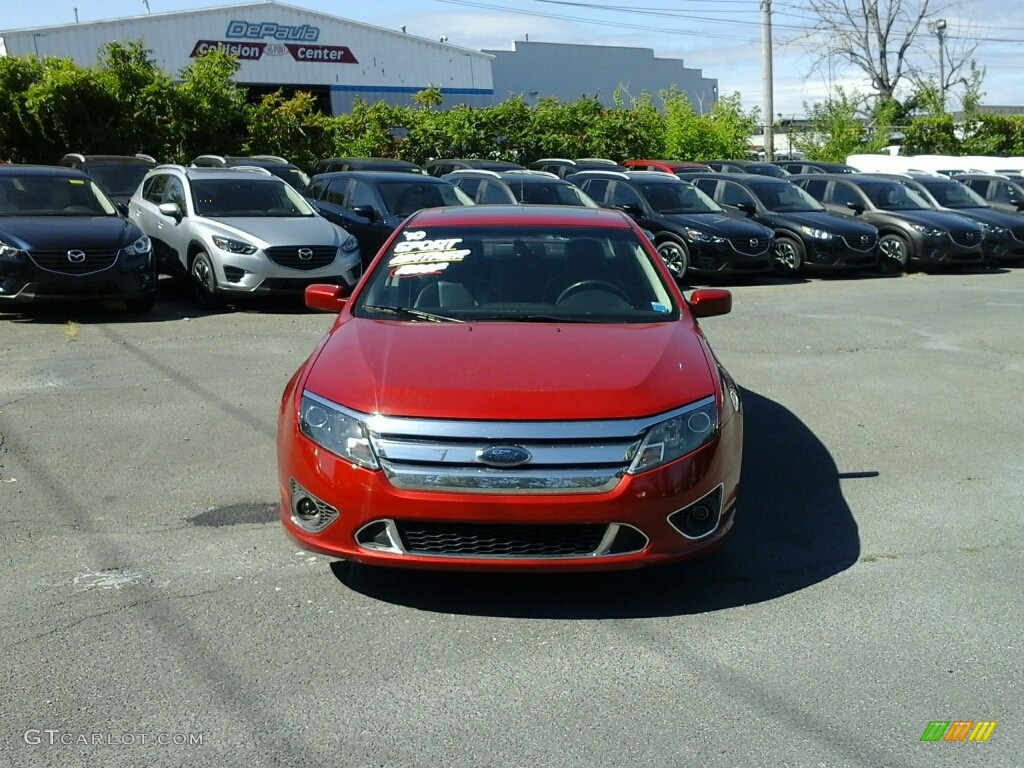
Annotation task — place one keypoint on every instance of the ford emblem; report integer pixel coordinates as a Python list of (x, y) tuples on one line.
[(305, 254), (503, 456), (76, 257)]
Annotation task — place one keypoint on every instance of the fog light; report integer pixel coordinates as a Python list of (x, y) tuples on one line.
[(701, 518), (308, 512)]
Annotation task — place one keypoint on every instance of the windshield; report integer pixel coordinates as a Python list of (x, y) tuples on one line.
[(520, 273), (766, 169), (785, 198), (678, 198), (404, 197), (118, 180), (295, 177), (550, 194), (953, 194), (893, 196), (45, 195), (247, 198)]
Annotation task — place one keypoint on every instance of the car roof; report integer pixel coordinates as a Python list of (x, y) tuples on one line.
[(113, 159), (15, 169), (530, 215), (512, 176), (378, 175), (657, 177), (229, 172), (749, 178)]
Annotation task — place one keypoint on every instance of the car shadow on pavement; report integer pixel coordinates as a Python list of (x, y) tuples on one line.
[(793, 529)]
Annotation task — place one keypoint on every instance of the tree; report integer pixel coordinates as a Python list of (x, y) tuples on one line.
[(883, 38)]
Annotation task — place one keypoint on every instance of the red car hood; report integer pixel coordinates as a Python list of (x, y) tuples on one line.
[(504, 371)]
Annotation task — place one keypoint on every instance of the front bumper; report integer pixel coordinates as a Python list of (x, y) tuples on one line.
[(258, 274), (943, 250), (626, 527), (25, 281), (840, 254), (725, 260)]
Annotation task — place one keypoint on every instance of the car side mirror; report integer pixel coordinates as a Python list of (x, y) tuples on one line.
[(122, 208), (172, 210), (747, 208), (633, 209), (366, 211), (325, 297), (707, 302), (857, 208), (1018, 204)]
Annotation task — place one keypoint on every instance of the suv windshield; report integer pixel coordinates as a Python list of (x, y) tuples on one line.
[(953, 194), (678, 198), (533, 193), (248, 198), (32, 195), (295, 177), (893, 196), (405, 197), (118, 180), (785, 198), (517, 274)]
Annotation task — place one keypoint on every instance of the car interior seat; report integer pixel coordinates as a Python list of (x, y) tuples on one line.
[(463, 283)]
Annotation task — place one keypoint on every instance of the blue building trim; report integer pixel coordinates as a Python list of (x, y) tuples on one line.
[(408, 89)]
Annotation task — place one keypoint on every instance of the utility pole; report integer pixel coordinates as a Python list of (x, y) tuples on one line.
[(940, 31), (766, 57)]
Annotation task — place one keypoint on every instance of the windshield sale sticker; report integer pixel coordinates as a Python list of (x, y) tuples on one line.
[(418, 255)]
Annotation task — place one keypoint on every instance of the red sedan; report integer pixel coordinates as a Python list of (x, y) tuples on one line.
[(512, 387)]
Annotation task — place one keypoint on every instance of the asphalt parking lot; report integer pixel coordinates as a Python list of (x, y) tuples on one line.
[(154, 614)]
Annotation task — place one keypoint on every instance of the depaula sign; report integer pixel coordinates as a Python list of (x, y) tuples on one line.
[(245, 30)]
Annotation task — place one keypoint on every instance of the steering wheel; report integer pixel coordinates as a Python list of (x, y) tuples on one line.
[(594, 285)]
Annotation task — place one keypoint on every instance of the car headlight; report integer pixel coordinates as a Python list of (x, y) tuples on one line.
[(233, 246), (675, 437), (140, 247), (818, 234), (928, 231), (994, 229), (350, 244), (703, 237), (338, 432), (11, 253)]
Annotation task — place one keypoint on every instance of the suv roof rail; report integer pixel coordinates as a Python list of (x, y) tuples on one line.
[(602, 160), (272, 158), (169, 166), (219, 158), (555, 160), (620, 174), (75, 155), (142, 156), (471, 171), (250, 169), (531, 172)]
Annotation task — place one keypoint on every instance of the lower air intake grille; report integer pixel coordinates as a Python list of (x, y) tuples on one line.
[(495, 540)]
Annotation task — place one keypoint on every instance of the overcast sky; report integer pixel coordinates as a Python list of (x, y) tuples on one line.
[(720, 37)]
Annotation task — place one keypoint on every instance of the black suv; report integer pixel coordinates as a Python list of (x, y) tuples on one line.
[(62, 237), (276, 165), (1004, 192), (444, 166), (691, 232), (521, 186), (747, 166), (562, 166), (117, 175), (806, 234), (1004, 232), (370, 204), (332, 164), (909, 229)]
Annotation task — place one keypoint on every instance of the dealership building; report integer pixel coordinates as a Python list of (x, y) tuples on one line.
[(339, 60)]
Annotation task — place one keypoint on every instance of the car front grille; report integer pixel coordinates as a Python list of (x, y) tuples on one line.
[(500, 540), (966, 238), (304, 257), (750, 246), (861, 243), (74, 262)]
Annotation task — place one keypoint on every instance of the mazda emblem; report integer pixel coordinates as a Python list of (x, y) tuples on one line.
[(503, 456), (753, 242), (305, 254), (76, 257), (864, 238)]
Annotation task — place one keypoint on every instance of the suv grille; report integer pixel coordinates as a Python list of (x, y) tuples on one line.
[(496, 540), (966, 238), (861, 243), (59, 261), (304, 257), (750, 246)]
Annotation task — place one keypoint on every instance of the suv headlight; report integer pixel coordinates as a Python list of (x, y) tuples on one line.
[(140, 247), (703, 237), (994, 229), (819, 234), (338, 432), (675, 437), (11, 253), (233, 246), (350, 244), (928, 231)]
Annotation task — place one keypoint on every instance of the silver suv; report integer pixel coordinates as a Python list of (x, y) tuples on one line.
[(238, 232)]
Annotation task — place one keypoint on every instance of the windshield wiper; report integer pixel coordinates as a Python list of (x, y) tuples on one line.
[(534, 319), (412, 314)]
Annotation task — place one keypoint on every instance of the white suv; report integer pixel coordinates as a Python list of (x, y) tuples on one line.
[(238, 232)]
